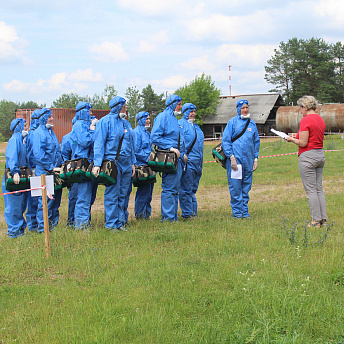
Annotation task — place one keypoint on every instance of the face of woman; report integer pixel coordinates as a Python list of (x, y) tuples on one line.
[(50, 120), (244, 110), (147, 124), (192, 114), (179, 107), (303, 111)]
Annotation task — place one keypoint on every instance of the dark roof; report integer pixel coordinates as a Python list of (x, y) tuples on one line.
[(260, 107)]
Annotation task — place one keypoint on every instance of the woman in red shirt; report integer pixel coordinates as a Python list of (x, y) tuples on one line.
[(310, 138)]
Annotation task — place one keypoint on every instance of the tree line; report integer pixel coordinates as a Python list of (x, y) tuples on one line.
[(307, 67)]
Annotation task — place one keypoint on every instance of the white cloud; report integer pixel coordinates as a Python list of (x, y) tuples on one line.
[(332, 8), (227, 28), (253, 55), (109, 52), (199, 63), (153, 42), (62, 82), (152, 7), (172, 82), (86, 75), (11, 47)]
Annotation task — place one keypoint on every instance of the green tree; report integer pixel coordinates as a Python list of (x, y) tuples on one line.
[(134, 103), (66, 101), (202, 93), (301, 67), (7, 114), (152, 102)]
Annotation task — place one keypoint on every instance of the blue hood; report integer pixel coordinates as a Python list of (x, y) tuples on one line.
[(17, 125), (82, 111), (34, 121), (240, 103), (187, 108), (141, 118), (172, 101), (116, 104), (43, 115)]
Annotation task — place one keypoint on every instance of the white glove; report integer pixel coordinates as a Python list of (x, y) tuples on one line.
[(16, 178), (234, 164), (33, 170), (175, 151), (133, 169), (96, 170), (94, 121), (57, 169)]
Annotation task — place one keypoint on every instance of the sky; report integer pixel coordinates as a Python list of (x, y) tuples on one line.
[(48, 48)]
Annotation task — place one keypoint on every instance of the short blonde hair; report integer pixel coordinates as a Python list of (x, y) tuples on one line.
[(308, 102)]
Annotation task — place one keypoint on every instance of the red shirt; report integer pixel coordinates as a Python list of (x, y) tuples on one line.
[(315, 125)]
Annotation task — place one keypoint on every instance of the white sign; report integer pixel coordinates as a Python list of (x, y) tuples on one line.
[(237, 174), (35, 182)]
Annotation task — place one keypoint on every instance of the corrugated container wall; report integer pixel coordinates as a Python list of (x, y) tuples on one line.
[(288, 117), (62, 119)]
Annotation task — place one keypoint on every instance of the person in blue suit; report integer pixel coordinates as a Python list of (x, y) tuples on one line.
[(82, 138), (194, 140), (111, 131), (143, 148), (48, 157), (244, 151), (66, 151), (125, 213), (94, 121), (166, 134), (32, 202), (15, 204)]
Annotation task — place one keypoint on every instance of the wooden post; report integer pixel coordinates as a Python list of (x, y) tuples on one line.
[(45, 216)]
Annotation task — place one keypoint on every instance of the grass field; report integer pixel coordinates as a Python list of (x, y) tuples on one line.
[(214, 279)]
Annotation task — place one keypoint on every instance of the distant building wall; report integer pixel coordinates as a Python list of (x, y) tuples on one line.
[(62, 119)]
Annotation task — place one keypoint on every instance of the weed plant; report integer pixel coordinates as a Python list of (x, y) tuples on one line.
[(213, 279)]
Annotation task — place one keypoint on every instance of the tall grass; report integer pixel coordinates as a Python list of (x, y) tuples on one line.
[(214, 279)]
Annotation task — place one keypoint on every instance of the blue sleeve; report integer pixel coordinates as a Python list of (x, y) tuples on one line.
[(12, 154), (256, 142), (139, 152), (158, 131), (227, 144), (182, 149), (66, 149), (132, 139), (29, 150), (100, 138)]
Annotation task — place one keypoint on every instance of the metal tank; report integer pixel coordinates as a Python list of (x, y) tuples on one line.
[(288, 117)]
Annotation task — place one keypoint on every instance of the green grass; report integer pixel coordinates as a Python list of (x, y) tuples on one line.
[(211, 280)]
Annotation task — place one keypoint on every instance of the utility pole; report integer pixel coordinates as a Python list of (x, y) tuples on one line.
[(230, 86)]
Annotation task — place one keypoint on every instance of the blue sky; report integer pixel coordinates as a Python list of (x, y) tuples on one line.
[(56, 47)]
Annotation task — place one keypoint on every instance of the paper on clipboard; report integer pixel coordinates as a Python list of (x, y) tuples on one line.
[(35, 182), (280, 133), (237, 174)]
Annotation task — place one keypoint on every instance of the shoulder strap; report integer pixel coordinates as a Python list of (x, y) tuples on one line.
[(193, 143), (242, 133), (120, 145), (179, 140)]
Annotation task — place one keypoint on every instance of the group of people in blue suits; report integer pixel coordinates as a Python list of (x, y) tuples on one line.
[(112, 138)]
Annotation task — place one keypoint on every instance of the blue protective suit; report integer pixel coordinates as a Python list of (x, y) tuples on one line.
[(166, 134), (82, 139), (143, 148), (193, 172), (109, 131), (47, 153), (15, 204), (245, 150), (66, 151), (32, 202)]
